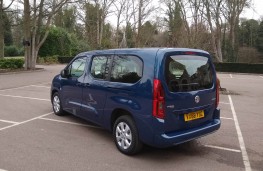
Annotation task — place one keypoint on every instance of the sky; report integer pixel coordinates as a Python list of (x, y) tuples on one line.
[(255, 12)]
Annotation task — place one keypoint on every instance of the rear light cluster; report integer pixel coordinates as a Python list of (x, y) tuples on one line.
[(158, 99), (217, 91)]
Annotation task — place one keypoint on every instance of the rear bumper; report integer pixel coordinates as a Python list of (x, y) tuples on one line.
[(178, 137)]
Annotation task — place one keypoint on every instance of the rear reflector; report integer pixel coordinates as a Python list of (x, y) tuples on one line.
[(158, 99)]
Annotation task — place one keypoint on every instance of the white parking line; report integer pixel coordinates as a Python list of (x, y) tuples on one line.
[(222, 77), (261, 76), (23, 97), (224, 103), (226, 118), (240, 137), (238, 78), (15, 88), (6, 121), (2, 170), (230, 75), (222, 148), (72, 123), (40, 86), (20, 123)]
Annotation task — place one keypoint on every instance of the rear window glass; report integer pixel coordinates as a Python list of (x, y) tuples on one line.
[(185, 73), (126, 69)]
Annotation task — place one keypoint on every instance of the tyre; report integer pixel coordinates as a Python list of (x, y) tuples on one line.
[(126, 136), (56, 105)]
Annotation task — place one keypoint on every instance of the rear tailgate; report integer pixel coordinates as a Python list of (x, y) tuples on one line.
[(190, 91)]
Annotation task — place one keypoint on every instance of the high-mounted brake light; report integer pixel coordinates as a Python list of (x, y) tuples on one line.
[(158, 99), (217, 91), (190, 53)]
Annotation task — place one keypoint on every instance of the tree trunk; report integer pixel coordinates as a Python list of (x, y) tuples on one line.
[(101, 29), (117, 29), (2, 43), (27, 37), (98, 25), (138, 40)]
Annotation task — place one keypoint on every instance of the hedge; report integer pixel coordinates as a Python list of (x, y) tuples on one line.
[(239, 67), (11, 63), (64, 59), (12, 50)]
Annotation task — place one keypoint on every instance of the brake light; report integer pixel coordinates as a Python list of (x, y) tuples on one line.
[(158, 99), (217, 91), (190, 53)]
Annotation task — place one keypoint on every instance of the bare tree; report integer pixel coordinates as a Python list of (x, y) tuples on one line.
[(2, 10), (144, 10), (232, 13), (213, 15), (105, 6), (37, 21), (120, 6)]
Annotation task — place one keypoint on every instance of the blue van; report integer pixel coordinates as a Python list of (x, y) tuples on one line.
[(155, 96)]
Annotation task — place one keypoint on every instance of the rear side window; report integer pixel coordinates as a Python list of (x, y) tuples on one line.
[(99, 67), (126, 69), (185, 73)]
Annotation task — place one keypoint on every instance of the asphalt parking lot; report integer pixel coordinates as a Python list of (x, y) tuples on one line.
[(33, 138)]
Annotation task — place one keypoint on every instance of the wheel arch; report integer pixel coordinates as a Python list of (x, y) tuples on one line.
[(116, 113)]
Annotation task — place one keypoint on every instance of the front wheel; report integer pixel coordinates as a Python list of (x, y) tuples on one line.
[(56, 105), (126, 135)]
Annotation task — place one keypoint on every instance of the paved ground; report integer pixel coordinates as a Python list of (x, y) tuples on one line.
[(33, 138)]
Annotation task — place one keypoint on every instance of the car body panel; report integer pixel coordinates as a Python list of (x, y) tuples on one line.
[(100, 98)]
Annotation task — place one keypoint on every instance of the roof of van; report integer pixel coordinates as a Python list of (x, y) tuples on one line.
[(136, 50)]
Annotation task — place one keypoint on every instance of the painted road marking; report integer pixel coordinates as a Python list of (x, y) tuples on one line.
[(2, 170), (223, 148), (23, 97), (15, 88), (240, 137), (226, 118), (261, 76), (230, 75), (224, 103), (72, 123), (238, 78), (6, 121), (40, 86), (29, 120)]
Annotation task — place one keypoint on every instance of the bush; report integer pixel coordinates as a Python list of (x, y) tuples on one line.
[(58, 42), (12, 51), (54, 60), (64, 59), (239, 67), (11, 63), (48, 60)]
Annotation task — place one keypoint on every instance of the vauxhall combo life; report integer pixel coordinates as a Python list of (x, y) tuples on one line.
[(157, 96)]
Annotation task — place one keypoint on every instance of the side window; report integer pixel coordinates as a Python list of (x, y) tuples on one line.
[(76, 69), (126, 69), (99, 67)]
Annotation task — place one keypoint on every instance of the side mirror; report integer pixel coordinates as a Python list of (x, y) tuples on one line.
[(64, 73)]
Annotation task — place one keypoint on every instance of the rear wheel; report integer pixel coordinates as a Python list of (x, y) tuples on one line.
[(56, 104), (126, 135)]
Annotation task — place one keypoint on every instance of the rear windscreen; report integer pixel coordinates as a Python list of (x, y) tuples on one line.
[(185, 73)]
